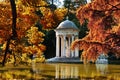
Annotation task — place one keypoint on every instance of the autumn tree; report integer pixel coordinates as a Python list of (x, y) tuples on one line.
[(21, 35), (104, 29), (14, 24), (50, 15)]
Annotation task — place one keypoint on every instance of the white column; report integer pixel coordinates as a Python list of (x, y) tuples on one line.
[(57, 46), (77, 48), (69, 46), (64, 46), (72, 52)]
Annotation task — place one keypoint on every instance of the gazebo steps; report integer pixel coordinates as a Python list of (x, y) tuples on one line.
[(64, 60)]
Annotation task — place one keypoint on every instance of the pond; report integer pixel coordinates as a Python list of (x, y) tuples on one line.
[(64, 71)]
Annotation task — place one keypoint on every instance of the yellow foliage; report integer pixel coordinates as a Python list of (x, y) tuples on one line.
[(34, 36), (116, 29)]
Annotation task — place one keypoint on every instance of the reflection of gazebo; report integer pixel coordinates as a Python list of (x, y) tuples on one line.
[(66, 33)]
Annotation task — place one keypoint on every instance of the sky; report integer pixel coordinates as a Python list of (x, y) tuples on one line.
[(88, 1), (63, 0)]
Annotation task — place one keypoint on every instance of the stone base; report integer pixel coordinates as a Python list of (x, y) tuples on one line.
[(64, 60)]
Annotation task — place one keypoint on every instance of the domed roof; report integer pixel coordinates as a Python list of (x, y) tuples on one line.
[(67, 24)]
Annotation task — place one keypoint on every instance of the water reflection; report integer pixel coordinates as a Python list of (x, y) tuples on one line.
[(80, 71), (62, 71), (102, 68), (66, 71), (76, 71)]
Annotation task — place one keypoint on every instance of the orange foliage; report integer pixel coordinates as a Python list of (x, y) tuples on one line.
[(50, 19), (34, 2), (29, 39), (26, 18), (104, 28), (24, 21)]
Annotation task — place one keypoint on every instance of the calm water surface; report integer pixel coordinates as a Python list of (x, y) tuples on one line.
[(61, 71)]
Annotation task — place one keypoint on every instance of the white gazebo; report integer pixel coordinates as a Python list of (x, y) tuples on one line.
[(66, 33)]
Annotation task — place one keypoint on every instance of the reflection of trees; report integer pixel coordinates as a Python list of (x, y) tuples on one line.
[(88, 71), (61, 71), (21, 75), (16, 74)]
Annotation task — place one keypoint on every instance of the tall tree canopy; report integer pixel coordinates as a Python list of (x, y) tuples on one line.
[(18, 31), (104, 29)]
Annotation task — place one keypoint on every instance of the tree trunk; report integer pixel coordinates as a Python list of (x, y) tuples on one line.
[(14, 14), (14, 33), (6, 50)]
